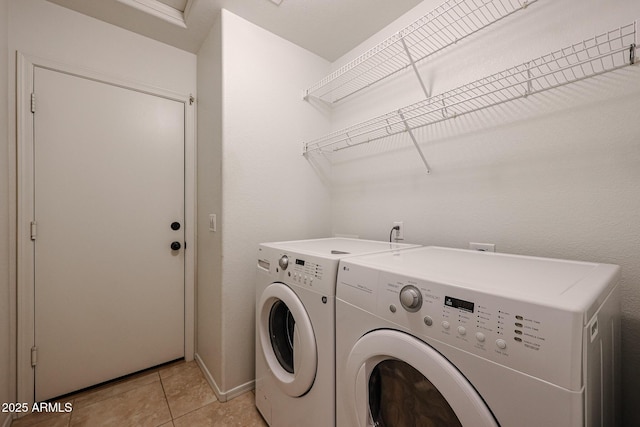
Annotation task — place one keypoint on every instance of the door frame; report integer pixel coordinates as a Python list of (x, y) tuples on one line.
[(25, 265)]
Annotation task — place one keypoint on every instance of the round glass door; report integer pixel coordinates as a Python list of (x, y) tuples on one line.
[(281, 331), (399, 395), (398, 380), (287, 339)]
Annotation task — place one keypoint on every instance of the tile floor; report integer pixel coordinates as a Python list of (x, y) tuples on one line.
[(176, 395)]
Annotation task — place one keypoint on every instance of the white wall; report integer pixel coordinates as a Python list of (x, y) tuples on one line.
[(209, 276), (40, 28), (268, 190), (7, 388), (552, 175)]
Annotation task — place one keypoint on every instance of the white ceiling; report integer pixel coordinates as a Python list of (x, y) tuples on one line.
[(330, 28)]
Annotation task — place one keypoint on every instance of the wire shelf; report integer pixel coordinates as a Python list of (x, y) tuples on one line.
[(591, 57), (447, 24)]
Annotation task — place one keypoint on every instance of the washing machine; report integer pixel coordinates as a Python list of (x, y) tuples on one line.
[(447, 337), (295, 327)]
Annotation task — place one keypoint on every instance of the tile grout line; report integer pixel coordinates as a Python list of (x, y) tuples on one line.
[(73, 403), (194, 410), (173, 419), (166, 399)]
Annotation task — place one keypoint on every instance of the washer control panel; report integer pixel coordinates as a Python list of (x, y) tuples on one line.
[(306, 271), (531, 338)]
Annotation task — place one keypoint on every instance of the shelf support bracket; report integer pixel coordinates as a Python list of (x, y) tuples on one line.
[(388, 127), (348, 139), (415, 69), (414, 140), (632, 53), (529, 88)]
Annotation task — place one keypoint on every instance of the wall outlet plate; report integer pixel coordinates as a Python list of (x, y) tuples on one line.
[(399, 234)]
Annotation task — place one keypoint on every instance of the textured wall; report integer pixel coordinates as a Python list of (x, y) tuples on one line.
[(268, 191), (553, 175), (209, 293)]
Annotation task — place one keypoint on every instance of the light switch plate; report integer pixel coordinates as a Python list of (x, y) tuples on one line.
[(212, 222)]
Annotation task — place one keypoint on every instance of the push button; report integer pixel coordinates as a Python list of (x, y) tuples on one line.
[(501, 344), (445, 324), (480, 336), (462, 330)]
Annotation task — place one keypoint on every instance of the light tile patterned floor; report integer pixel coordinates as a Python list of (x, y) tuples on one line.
[(172, 396)]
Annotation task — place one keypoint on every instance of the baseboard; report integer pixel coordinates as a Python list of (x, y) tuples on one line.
[(7, 420), (241, 389), (219, 394), (223, 396)]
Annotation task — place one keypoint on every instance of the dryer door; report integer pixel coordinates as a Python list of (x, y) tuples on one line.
[(287, 339), (399, 380)]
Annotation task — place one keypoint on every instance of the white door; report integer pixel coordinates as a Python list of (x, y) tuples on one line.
[(398, 380), (108, 186)]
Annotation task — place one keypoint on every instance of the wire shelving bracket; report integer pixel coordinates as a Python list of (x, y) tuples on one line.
[(444, 26), (600, 54)]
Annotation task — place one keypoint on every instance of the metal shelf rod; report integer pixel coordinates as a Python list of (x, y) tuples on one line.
[(415, 143), (454, 104), (415, 69), (444, 26), (603, 53)]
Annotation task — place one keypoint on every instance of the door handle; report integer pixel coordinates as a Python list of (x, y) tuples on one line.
[(175, 225), (175, 246)]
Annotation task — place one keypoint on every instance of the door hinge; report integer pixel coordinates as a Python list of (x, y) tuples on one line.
[(33, 102), (34, 356), (34, 229)]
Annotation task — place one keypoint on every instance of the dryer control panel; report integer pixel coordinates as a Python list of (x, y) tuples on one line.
[(541, 341), (470, 319)]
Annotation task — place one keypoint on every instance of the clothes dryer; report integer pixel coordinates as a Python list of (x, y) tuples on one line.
[(295, 327), (438, 336)]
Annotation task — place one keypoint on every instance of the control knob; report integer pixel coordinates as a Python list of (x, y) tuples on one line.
[(411, 298), (284, 262)]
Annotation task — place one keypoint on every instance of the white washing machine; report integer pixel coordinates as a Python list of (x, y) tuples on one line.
[(295, 327), (446, 337)]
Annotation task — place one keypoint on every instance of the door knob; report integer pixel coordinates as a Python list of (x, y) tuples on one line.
[(175, 246), (175, 225)]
